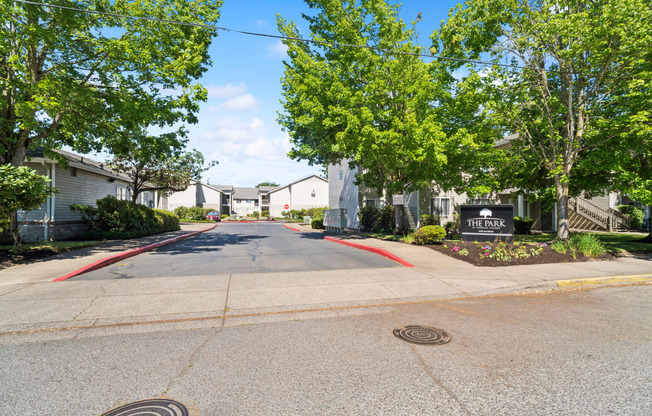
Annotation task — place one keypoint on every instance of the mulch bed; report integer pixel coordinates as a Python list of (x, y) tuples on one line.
[(477, 257)]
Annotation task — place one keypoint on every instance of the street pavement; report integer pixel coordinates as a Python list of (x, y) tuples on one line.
[(572, 352)]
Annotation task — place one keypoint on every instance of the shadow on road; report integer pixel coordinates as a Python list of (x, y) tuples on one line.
[(207, 242)]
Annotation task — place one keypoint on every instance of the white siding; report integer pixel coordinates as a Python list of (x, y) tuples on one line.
[(208, 197), (187, 198), (39, 213), (278, 200), (343, 193)]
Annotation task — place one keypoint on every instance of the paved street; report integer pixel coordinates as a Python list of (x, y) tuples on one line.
[(583, 352), (243, 248)]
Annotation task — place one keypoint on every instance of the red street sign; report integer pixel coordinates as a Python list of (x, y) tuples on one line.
[(287, 206)]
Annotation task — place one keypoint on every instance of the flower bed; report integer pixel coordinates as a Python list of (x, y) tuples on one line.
[(492, 254)]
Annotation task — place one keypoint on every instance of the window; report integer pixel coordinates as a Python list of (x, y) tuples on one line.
[(73, 171), (121, 193), (441, 206), (376, 203)]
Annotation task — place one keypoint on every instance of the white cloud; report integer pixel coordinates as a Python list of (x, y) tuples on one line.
[(244, 102), (277, 50), (226, 91)]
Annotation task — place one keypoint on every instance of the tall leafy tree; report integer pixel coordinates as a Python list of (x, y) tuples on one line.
[(567, 65), (159, 163), (84, 80), (378, 105)]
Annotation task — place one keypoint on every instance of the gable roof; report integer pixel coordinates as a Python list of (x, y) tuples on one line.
[(245, 193), (295, 182), (80, 162)]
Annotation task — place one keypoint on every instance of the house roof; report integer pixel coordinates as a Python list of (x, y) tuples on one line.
[(80, 162), (295, 182), (245, 193), (506, 141)]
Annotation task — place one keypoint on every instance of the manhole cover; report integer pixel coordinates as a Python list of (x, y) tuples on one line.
[(151, 407), (424, 335)]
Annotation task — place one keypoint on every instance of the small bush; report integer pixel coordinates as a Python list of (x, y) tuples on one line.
[(429, 234), (560, 246), (317, 224), (523, 225), (635, 213), (427, 219), (195, 213), (386, 219), (224, 216), (181, 212), (369, 218), (264, 214), (255, 214), (587, 244), (166, 220)]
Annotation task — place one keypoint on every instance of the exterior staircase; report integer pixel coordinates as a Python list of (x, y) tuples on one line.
[(584, 215)]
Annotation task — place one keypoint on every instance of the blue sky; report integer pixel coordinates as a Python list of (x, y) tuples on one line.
[(237, 125)]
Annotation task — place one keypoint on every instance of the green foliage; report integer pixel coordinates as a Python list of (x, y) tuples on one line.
[(196, 213), (386, 218), (255, 214), (262, 214), (587, 244), (635, 213), (181, 212), (368, 218), (94, 81), (577, 128), (454, 226), (317, 224), (560, 246), (21, 188), (388, 115), (429, 234), (267, 183), (114, 218), (523, 225), (428, 219)]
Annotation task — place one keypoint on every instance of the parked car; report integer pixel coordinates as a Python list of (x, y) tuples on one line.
[(214, 216)]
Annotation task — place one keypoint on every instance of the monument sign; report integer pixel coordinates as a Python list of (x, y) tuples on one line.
[(487, 222)]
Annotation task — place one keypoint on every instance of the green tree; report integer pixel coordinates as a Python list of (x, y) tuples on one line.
[(267, 183), (568, 63), (87, 80), (378, 105), (21, 188), (159, 163)]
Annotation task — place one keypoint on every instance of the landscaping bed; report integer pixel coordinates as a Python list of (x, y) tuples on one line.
[(479, 254)]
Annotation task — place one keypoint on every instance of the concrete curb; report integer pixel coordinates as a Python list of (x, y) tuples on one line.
[(608, 280), (126, 254), (291, 228), (374, 250)]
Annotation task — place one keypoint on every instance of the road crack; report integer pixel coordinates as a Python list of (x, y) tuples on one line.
[(103, 293), (439, 382)]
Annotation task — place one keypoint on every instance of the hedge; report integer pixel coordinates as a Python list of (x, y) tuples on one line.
[(523, 225), (430, 234)]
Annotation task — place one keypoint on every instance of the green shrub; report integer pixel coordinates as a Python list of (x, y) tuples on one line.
[(264, 214), (635, 213), (560, 246), (386, 219), (166, 220), (195, 213), (523, 225), (317, 224), (255, 214), (428, 219), (369, 218), (587, 244), (429, 234), (224, 216), (181, 212)]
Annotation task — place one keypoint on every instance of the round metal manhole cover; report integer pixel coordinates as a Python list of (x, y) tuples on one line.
[(423, 335), (151, 407)]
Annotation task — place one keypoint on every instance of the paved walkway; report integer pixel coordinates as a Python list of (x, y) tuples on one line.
[(140, 304)]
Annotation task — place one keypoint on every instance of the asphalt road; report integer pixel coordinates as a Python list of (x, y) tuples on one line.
[(583, 352), (243, 248)]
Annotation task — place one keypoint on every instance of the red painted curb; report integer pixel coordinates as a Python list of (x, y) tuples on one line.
[(291, 228), (245, 222), (375, 250), (126, 254)]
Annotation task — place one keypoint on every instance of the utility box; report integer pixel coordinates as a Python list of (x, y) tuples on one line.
[(335, 220)]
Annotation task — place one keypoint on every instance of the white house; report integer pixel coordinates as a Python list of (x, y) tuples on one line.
[(197, 194), (309, 192), (83, 181)]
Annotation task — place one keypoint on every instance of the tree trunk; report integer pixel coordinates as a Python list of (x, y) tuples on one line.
[(561, 190)]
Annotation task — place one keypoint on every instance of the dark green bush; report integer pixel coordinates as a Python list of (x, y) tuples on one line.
[(386, 219), (427, 219), (635, 213), (317, 223), (369, 217), (430, 234), (255, 214), (523, 225), (114, 218)]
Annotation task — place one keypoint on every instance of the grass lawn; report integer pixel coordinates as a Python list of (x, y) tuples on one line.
[(53, 246), (193, 221)]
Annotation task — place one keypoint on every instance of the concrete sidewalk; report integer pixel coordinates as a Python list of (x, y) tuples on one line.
[(56, 310), (50, 268)]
